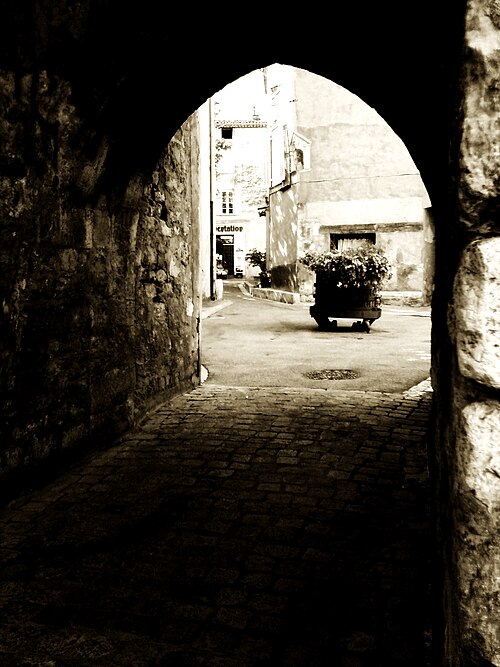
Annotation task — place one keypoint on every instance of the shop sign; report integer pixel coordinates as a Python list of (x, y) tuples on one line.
[(228, 228)]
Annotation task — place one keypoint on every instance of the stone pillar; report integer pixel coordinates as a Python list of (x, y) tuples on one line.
[(470, 500), (475, 501)]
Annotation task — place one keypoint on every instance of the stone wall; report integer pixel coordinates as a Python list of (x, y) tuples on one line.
[(100, 307), (469, 463)]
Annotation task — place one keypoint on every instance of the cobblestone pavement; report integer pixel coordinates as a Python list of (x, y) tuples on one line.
[(237, 527)]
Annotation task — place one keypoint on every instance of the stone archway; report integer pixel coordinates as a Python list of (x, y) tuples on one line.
[(91, 99)]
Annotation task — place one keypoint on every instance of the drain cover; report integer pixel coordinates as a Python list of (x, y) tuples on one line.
[(333, 374)]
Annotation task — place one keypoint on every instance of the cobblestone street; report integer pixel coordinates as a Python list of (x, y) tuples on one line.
[(237, 527)]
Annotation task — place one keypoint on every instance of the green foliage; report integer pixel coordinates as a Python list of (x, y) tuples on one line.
[(364, 266), (220, 145), (257, 258)]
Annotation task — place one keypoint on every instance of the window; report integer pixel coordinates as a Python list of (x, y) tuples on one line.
[(299, 159), (226, 132), (301, 148), (227, 201), (344, 241)]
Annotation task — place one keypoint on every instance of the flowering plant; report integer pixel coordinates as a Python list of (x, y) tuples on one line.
[(363, 266), (257, 258)]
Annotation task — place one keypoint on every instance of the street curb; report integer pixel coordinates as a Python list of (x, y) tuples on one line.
[(211, 310)]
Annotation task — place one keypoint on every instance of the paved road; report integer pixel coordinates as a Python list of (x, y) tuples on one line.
[(239, 526), (256, 342)]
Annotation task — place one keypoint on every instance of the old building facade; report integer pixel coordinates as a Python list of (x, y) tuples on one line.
[(340, 174), (241, 191), (233, 176)]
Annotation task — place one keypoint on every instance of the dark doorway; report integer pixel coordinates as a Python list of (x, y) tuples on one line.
[(225, 247)]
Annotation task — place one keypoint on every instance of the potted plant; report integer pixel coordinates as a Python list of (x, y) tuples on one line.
[(348, 284), (221, 269), (258, 258)]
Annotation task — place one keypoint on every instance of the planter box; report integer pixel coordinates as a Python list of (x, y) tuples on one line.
[(265, 280), (333, 302)]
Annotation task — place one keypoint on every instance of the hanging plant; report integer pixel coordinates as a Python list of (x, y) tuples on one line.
[(220, 146)]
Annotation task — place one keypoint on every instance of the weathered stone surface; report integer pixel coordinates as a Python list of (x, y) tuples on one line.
[(478, 522), (476, 316), (479, 457), (469, 495), (99, 292), (480, 155)]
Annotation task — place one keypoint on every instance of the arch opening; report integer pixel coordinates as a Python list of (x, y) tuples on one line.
[(80, 195), (357, 181)]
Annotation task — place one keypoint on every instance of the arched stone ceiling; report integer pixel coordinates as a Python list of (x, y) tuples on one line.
[(138, 71)]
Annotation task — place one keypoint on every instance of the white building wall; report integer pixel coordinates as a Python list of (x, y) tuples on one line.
[(358, 175), (243, 166), (205, 196), (365, 211)]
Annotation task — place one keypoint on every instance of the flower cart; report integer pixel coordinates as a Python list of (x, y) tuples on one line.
[(348, 286), (333, 303)]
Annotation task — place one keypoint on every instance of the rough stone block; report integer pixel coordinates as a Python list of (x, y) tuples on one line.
[(480, 457), (476, 321), (477, 507)]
